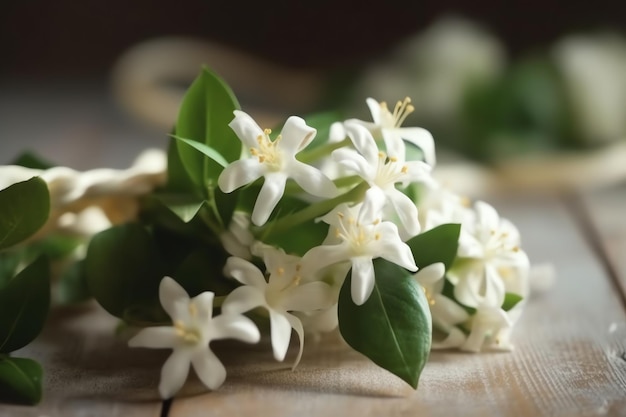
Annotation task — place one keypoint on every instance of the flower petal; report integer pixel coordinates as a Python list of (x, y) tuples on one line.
[(173, 297), (239, 173), (446, 312), (423, 139), (309, 297), (354, 162), (391, 248), (245, 128), (243, 299), (321, 256), (208, 368), (296, 324), (280, 330), (245, 272), (312, 180), (430, 274), (406, 211), (296, 135), (455, 339), (363, 141), (174, 373), (375, 110), (203, 302), (235, 326), (271, 192), (155, 338), (362, 279)]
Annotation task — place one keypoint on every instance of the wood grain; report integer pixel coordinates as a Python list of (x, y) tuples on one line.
[(88, 371), (606, 209), (569, 357)]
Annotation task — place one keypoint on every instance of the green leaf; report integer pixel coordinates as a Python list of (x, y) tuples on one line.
[(511, 300), (436, 245), (205, 113), (31, 160), (205, 150), (24, 209), (122, 268), (178, 180), (72, 287), (20, 381), (393, 327), (24, 305), (202, 271)]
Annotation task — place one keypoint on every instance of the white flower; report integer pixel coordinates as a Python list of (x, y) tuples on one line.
[(446, 313), (238, 239), (490, 260), (282, 293), (275, 161), (382, 171), (439, 205), (487, 324), (357, 237), (194, 328), (390, 128)]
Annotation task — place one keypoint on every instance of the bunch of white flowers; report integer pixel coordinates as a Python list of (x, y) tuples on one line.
[(368, 187)]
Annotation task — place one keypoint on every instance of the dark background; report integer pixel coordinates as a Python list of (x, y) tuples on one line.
[(83, 38)]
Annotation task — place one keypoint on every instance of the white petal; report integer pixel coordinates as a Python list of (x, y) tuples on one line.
[(455, 339), (296, 135), (372, 206), (362, 279), (394, 144), (174, 373), (243, 299), (245, 272), (271, 192), (391, 248), (240, 173), (155, 337), (430, 274), (406, 210), (312, 180), (375, 109), (235, 326), (296, 324), (354, 162), (363, 141), (280, 330), (309, 297), (172, 297), (320, 257), (446, 312), (204, 305), (486, 216), (245, 128), (423, 139), (208, 368)]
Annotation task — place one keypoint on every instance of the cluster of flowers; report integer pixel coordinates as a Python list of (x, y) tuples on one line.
[(378, 196)]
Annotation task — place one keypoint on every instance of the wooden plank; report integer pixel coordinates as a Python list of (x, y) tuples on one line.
[(606, 209), (89, 371), (569, 358)]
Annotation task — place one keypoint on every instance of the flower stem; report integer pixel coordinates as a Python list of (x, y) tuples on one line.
[(313, 211)]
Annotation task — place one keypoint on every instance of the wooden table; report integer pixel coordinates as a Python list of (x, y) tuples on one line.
[(570, 356)]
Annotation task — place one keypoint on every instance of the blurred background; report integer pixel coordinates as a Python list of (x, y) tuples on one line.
[(506, 86)]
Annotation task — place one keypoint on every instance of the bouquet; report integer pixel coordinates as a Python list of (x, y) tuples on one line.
[(317, 225)]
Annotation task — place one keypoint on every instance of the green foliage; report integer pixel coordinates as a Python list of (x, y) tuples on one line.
[(24, 304), (20, 380), (393, 327), (123, 268), (24, 209), (205, 113), (511, 300), (439, 244)]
